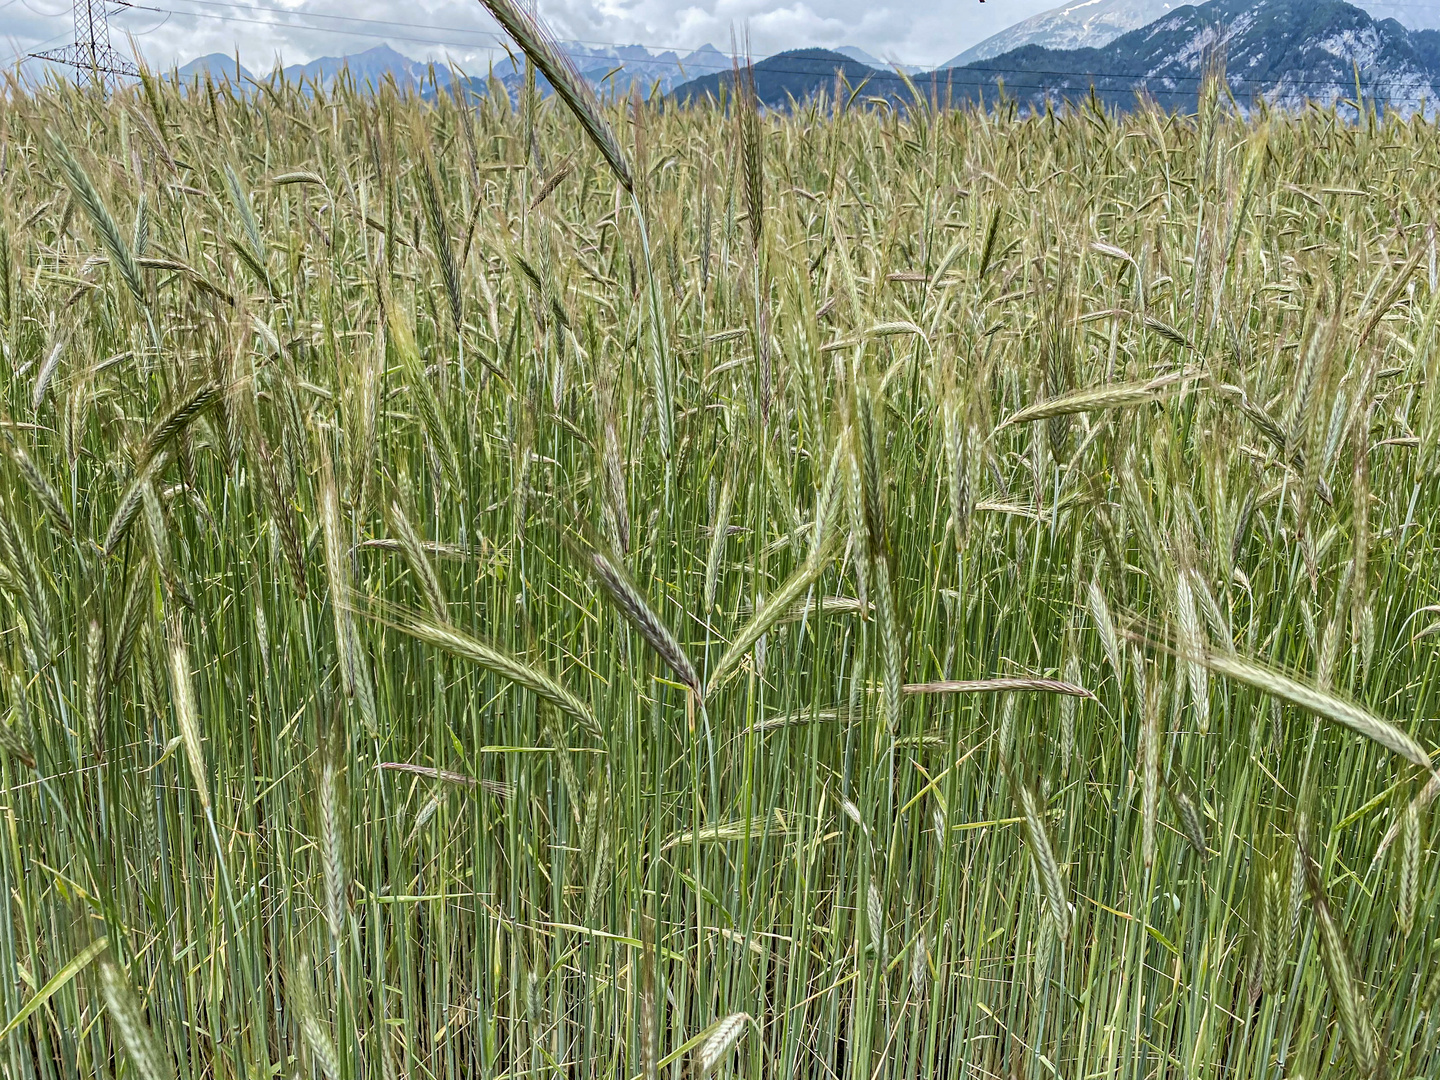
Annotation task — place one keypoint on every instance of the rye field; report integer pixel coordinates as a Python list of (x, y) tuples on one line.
[(532, 589)]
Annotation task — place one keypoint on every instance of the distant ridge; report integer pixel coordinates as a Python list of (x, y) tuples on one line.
[(218, 65), (796, 75), (614, 67), (1093, 24), (1286, 52), (1080, 24)]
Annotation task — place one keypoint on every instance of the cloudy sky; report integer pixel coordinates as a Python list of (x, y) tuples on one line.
[(174, 31)]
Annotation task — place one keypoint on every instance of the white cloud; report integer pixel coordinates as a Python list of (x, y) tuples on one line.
[(905, 30)]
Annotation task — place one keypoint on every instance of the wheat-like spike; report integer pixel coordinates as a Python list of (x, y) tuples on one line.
[(1044, 951), (764, 619), (1005, 734), (1001, 685), (554, 180), (818, 605), (141, 237), (875, 915), (661, 376), (1105, 626), (987, 250), (279, 492), (354, 673), (429, 184), (317, 1038), (186, 713), (720, 1038), (827, 502), (1150, 770), (16, 742), (332, 832), (124, 516), (1297, 894), (536, 41), (1137, 665), (16, 732), (1168, 332), (1215, 620), (1068, 709), (132, 611), (1187, 806), (301, 176), (7, 275), (589, 824), (1355, 1017), (424, 814), (456, 643), (363, 443), (158, 535), (1266, 424), (180, 416), (26, 571), (638, 611), (152, 670), (1421, 802), (420, 566), (603, 863), (752, 152), (1192, 644), (46, 373), (1339, 417), (1096, 399), (1329, 650), (130, 504), (1321, 702), (890, 642), (43, 489), (962, 452), (867, 452), (127, 1013), (818, 716), (1362, 617), (1274, 946), (1048, 869), (113, 240), (97, 684), (859, 536), (241, 202), (504, 791), (719, 534)]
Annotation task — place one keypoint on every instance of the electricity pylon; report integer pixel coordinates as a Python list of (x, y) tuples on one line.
[(91, 51)]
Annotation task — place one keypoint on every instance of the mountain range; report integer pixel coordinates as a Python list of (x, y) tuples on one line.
[(1287, 52), (1284, 51), (1091, 24), (610, 68)]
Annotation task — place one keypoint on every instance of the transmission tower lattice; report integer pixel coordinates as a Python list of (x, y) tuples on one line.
[(91, 51)]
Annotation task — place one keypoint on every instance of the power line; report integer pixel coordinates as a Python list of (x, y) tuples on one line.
[(499, 39), (24, 54), (494, 36), (274, 25)]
